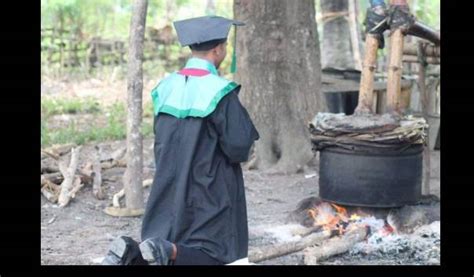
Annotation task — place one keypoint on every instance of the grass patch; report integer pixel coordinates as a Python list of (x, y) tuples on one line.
[(113, 127), (70, 106)]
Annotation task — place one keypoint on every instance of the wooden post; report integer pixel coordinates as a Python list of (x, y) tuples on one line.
[(424, 107), (395, 72), (404, 101), (366, 90), (354, 34)]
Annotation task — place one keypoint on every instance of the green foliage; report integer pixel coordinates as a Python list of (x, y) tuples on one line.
[(428, 12)]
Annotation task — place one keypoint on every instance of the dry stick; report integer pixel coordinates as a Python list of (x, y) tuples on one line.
[(77, 185), (68, 174), (395, 72), (272, 251), (366, 90), (97, 175), (119, 195), (334, 246)]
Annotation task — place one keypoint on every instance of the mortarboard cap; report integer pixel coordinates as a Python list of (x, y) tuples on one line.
[(199, 30)]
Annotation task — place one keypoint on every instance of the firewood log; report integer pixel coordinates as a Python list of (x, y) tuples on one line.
[(68, 173), (273, 251), (335, 246)]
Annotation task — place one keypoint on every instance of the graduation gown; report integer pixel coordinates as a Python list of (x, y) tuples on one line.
[(198, 196)]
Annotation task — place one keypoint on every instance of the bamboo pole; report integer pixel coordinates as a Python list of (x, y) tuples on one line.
[(366, 90), (395, 72)]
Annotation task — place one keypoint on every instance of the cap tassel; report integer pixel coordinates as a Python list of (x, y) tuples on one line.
[(233, 66)]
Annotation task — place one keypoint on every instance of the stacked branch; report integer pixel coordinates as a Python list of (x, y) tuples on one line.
[(61, 179)]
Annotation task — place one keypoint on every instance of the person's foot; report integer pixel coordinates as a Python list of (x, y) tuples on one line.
[(156, 251), (122, 251)]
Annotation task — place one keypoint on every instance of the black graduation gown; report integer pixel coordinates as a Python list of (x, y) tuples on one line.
[(198, 196)]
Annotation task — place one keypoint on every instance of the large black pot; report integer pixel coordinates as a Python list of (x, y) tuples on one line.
[(375, 179)]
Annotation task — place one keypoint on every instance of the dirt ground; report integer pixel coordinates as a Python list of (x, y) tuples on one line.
[(80, 233)]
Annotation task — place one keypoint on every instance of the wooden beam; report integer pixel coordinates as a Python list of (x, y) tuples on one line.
[(414, 59), (430, 50)]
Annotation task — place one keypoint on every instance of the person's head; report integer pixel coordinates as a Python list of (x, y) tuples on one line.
[(206, 36), (214, 51)]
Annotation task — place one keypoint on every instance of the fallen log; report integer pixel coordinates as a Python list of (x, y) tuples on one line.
[(68, 173), (335, 246), (272, 251)]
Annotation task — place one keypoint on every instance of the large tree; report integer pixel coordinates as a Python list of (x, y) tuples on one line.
[(280, 72)]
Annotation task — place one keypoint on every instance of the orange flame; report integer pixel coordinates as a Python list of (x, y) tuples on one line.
[(332, 217)]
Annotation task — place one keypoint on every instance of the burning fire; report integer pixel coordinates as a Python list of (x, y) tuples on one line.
[(333, 217)]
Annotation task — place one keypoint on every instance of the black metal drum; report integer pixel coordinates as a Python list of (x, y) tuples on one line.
[(378, 178)]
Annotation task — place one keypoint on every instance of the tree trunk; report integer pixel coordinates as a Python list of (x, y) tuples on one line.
[(280, 73), (336, 46), (133, 175)]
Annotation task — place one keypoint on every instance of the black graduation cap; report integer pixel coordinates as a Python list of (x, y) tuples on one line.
[(206, 32)]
